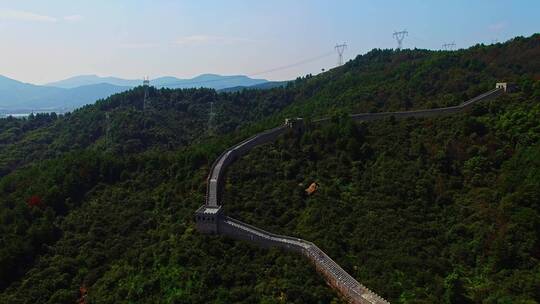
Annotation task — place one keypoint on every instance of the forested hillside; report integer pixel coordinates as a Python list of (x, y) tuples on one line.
[(420, 210), (172, 119)]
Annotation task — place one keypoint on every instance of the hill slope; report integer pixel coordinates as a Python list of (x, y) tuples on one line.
[(420, 210), (261, 86), (416, 209)]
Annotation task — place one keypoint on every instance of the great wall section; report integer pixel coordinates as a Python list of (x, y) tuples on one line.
[(210, 218)]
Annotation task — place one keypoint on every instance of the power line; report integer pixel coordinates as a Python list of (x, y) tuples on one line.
[(256, 73), (399, 38), (293, 64), (420, 41)]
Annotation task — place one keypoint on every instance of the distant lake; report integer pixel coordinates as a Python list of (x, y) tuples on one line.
[(15, 115), (23, 115)]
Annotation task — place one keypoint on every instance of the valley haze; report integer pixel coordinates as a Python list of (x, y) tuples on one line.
[(66, 95)]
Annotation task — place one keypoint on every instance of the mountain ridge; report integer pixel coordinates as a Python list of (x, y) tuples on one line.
[(87, 79), (74, 92), (210, 80), (17, 96)]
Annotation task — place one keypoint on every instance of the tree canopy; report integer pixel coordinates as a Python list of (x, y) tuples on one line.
[(445, 209)]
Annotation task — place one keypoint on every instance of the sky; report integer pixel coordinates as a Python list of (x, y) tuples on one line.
[(45, 41)]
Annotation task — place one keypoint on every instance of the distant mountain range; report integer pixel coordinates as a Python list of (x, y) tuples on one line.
[(84, 80), (17, 97), (68, 94), (205, 80)]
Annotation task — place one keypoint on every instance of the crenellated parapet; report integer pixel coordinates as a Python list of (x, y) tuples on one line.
[(334, 275)]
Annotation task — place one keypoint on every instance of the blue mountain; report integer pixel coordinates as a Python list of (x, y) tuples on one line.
[(212, 81), (74, 92), (84, 80), (16, 96)]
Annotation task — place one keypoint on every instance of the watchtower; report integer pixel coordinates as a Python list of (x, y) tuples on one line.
[(507, 87), (297, 124), (207, 219)]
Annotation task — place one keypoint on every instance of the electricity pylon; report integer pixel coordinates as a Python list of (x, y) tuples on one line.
[(448, 46), (146, 84), (399, 38), (340, 48), (211, 120), (107, 131)]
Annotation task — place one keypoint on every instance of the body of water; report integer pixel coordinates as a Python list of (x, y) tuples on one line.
[(23, 115)]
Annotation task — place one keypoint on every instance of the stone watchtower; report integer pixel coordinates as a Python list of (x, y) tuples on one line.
[(297, 124), (207, 219), (507, 87)]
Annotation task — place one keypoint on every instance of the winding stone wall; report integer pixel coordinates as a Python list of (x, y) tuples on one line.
[(334, 275), (210, 219)]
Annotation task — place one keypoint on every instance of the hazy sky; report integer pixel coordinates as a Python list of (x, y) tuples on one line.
[(43, 41)]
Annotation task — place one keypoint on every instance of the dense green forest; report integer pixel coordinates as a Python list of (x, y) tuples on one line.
[(172, 119), (419, 210)]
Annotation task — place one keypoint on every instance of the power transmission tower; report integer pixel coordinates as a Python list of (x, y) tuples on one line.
[(448, 46), (340, 48), (107, 131), (399, 38), (211, 120), (146, 84)]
